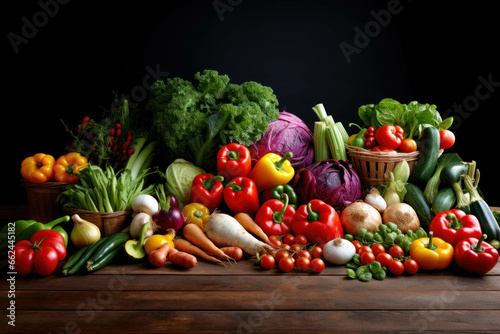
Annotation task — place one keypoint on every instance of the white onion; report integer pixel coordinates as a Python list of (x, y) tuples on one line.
[(338, 251)]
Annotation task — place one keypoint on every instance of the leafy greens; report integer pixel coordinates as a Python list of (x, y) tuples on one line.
[(412, 117)]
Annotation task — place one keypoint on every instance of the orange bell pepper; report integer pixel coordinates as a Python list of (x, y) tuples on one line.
[(38, 168), (68, 167)]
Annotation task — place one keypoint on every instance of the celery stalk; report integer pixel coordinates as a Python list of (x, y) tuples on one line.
[(333, 134), (321, 149)]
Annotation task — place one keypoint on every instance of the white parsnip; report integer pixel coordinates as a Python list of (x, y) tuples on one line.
[(224, 230)]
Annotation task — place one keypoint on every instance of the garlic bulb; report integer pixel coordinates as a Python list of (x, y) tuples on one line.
[(84, 232)]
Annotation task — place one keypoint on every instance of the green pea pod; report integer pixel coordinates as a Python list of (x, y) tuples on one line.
[(32, 229), (62, 232)]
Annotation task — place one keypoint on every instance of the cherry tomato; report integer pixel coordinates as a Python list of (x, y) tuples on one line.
[(281, 254), (317, 265), (411, 266), (396, 251), (356, 244), (396, 267), (377, 249), (447, 139), (364, 249), (408, 145), (289, 239), (284, 246), (295, 247), (303, 253), (267, 261), (275, 240), (384, 259), (317, 252), (286, 264), (367, 257), (301, 239), (303, 263)]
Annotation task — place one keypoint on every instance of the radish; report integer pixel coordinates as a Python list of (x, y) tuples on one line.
[(224, 230)]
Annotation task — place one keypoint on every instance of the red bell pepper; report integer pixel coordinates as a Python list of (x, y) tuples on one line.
[(390, 136), (234, 160), (207, 189), (275, 217), (318, 221), (454, 225), (241, 195), (476, 256)]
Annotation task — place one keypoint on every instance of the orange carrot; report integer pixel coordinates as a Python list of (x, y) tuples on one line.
[(182, 258), (193, 233), (158, 257), (188, 247), (234, 252), (251, 226)]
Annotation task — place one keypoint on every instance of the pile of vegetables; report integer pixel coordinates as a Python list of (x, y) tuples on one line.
[(213, 172)]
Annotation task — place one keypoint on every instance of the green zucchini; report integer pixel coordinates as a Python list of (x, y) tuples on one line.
[(416, 199), (104, 261), (75, 264), (452, 172), (432, 187), (482, 211), (444, 200), (112, 242), (427, 161)]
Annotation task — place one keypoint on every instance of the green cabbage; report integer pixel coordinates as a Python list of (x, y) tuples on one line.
[(180, 175)]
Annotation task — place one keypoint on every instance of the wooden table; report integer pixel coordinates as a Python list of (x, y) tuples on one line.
[(242, 298)]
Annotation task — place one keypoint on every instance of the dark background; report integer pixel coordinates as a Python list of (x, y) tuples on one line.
[(82, 52)]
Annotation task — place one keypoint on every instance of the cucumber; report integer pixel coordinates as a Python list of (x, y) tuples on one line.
[(444, 200), (427, 161), (104, 261), (416, 199), (112, 242), (452, 172), (77, 263)]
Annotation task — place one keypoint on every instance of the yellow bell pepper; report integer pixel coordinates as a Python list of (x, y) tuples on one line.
[(38, 168), (157, 240), (431, 253), (196, 213), (271, 170), (68, 166)]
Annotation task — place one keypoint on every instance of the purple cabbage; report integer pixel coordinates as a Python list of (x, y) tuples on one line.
[(332, 181), (286, 134)]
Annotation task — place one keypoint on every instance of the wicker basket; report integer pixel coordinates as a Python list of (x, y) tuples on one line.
[(108, 222), (42, 200), (372, 166)]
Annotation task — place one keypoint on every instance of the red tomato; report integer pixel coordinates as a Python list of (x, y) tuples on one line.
[(41, 260), (286, 264), (267, 261), (295, 247), (384, 259), (301, 239), (356, 244), (408, 145), (411, 266), (50, 238), (284, 246), (367, 257), (377, 249), (317, 252), (289, 239), (396, 267), (364, 249), (303, 263), (396, 251), (447, 139), (281, 254), (317, 265), (303, 253)]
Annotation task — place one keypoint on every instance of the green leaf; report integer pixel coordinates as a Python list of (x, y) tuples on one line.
[(351, 274), (446, 124), (380, 275), (363, 273), (375, 267)]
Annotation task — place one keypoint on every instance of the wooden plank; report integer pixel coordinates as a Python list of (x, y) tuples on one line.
[(199, 300), (121, 281), (256, 321)]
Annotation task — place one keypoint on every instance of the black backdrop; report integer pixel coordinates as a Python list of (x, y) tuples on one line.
[(64, 60)]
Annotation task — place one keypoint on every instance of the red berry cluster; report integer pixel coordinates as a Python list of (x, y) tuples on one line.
[(115, 133)]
